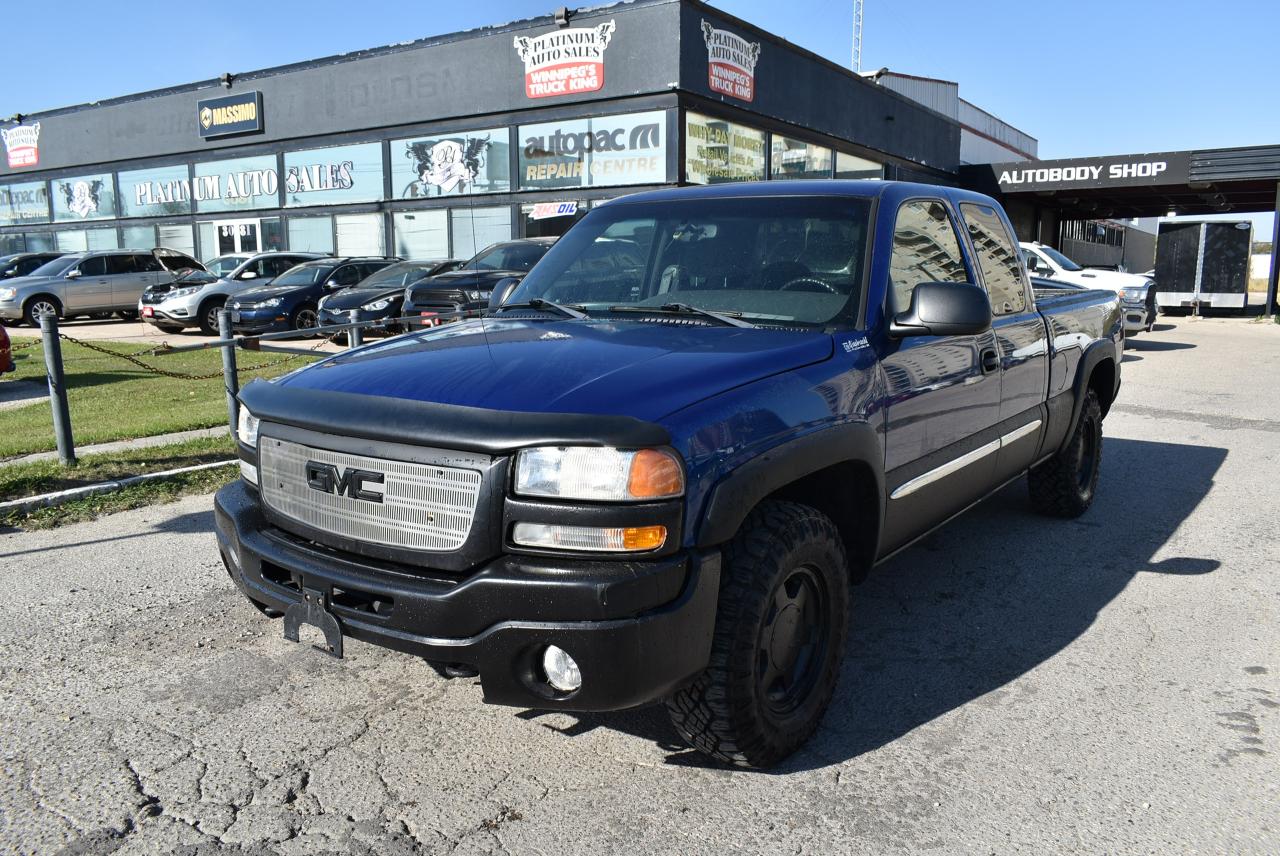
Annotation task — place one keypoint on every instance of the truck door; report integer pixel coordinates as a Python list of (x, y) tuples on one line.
[(1021, 338), (943, 392)]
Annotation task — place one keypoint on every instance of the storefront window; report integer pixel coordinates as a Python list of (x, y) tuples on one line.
[(451, 164), (241, 184), (139, 237), (551, 219), (852, 166), (334, 175), (797, 159), (83, 240), (607, 150), (155, 192), (311, 234), (85, 197), (176, 236), (39, 242), (473, 229), (27, 202), (422, 234), (359, 234), (718, 151), (12, 243), (272, 234)]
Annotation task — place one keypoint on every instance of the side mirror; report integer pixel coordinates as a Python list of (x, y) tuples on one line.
[(944, 309), (74, 274), (249, 274), (502, 290), (333, 285), (1033, 263)]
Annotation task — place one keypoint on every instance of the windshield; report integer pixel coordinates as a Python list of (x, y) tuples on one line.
[(787, 260), (397, 275), (508, 257), (303, 275), (195, 276), (57, 267), (223, 265), (1063, 262)]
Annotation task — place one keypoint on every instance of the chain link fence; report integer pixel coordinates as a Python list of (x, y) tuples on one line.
[(51, 340)]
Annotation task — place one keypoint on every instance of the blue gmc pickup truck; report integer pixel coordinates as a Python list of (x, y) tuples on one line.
[(654, 469)]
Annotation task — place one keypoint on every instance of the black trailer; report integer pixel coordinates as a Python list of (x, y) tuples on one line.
[(1203, 263)]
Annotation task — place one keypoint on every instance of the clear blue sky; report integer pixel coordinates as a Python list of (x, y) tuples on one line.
[(1084, 78)]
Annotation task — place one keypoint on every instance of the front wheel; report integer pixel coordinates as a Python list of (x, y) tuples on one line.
[(208, 316), (781, 623), (40, 305), (1064, 485), (304, 318)]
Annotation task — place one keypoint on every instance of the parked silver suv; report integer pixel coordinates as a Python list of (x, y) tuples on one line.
[(99, 282), (193, 300)]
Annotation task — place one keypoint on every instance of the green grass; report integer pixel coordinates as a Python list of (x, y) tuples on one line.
[(136, 496), (112, 399), (39, 477)]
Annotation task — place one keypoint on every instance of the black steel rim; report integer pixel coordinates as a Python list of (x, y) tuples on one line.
[(1088, 453), (793, 641)]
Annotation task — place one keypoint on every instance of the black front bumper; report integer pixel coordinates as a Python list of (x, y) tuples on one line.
[(638, 630)]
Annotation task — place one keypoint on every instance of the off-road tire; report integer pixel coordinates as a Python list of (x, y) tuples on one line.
[(37, 303), (207, 315), (726, 713), (1064, 485)]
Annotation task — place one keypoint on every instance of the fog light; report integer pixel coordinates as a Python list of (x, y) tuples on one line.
[(561, 670)]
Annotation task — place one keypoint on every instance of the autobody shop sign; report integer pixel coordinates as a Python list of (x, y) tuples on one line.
[(1122, 171), (606, 150), (564, 62), (731, 63)]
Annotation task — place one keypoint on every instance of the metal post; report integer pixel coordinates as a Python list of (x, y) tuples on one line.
[(355, 336), (229, 378), (57, 389), (1274, 275)]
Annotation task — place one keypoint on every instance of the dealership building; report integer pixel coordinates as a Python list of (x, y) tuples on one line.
[(437, 147)]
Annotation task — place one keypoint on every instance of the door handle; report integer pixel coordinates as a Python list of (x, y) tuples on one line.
[(990, 360)]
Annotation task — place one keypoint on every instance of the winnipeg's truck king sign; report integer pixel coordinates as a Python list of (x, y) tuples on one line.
[(564, 62), (731, 63)]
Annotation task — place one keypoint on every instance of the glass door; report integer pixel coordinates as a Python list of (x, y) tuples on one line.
[(237, 236)]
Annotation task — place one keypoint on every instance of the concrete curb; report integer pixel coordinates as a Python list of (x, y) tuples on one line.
[(62, 496)]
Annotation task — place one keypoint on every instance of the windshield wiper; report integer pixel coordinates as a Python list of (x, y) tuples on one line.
[(729, 319), (575, 312)]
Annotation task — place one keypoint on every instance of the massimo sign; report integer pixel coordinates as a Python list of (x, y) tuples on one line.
[(230, 114)]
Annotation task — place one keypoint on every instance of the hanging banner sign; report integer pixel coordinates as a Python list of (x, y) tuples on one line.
[(731, 63), (22, 143), (231, 114), (564, 62)]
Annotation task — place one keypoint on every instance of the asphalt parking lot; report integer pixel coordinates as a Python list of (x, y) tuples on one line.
[(1013, 684)]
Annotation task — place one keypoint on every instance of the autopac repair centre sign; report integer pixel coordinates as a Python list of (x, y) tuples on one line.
[(564, 62), (731, 63), (1121, 171), (230, 114)]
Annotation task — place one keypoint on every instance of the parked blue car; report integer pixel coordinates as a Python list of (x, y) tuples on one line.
[(291, 301)]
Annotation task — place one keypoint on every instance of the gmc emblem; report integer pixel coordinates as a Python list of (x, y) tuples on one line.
[(326, 478)]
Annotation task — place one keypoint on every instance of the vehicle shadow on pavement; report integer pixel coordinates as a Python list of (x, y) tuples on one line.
[(1140, 344), (985, 600)]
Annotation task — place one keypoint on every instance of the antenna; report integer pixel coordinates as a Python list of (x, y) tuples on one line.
[(857, 36)]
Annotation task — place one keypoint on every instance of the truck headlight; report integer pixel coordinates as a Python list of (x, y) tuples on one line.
[(247, 429), (602, 474)]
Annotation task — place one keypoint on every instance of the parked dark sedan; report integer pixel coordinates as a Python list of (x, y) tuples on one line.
[(292, 299), (22, 264), (381, 295), (469, 286)]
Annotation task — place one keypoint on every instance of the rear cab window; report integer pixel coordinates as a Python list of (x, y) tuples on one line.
[(997, 257)]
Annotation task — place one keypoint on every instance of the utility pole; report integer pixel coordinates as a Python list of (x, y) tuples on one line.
[(857, 36)]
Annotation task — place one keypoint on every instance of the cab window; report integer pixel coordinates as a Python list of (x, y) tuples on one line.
[(925, 249), (997, 259), (94, 266)]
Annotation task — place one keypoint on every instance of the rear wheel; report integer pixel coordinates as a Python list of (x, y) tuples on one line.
[(128, 314), (207, 316), (41, 304), (1064, 485), (779, 638)]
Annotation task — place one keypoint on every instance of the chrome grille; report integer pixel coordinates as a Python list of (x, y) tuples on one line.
[(424, 506)]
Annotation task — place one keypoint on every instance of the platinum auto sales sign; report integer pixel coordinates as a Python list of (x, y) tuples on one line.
[(564, 62), (731, 63), (22, 144)]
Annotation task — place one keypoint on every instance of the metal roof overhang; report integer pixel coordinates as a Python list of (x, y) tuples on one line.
[(1208, 181)]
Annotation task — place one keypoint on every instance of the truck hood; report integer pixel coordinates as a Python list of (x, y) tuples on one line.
[(632, 368)]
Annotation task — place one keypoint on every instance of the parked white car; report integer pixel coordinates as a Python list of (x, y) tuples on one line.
[(1137, 296)]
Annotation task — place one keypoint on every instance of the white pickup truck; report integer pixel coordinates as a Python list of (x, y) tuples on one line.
[(1137, 297)]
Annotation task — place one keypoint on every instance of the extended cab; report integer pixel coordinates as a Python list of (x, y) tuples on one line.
[(655, 470)]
